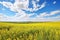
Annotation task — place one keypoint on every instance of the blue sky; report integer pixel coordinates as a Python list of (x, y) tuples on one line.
[(29, 10)]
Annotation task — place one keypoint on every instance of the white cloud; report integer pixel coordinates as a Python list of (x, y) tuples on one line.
[(36, 6), (54, 2), (43, 14), (18, 5), (22, 4), (22, 16), (37, 0), (41, 6), (49, 14), (55, 12), (25, 17), (2, 17)]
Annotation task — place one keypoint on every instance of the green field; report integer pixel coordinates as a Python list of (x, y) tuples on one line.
[(30, 31)]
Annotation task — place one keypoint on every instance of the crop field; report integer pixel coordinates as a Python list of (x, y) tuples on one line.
[(30, 31)]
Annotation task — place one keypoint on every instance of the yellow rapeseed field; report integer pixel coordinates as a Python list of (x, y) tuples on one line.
[(30, 31)]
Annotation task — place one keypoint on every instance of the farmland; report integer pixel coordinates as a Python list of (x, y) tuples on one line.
[(30, 31)]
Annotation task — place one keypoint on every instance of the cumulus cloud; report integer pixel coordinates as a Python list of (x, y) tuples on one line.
[(23, 4), (26, 17), (42, 16), (18, 5), (22, 16), (36, 6)]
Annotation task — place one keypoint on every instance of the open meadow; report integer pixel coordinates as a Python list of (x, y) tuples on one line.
[(30, 31)]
